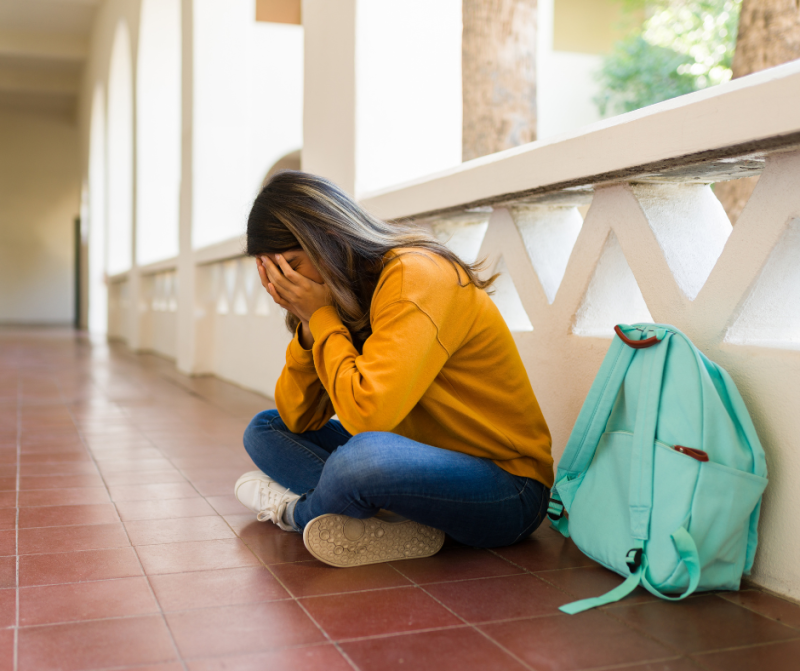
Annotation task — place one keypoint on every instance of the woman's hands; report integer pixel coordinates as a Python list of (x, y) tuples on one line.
[(292, 290)]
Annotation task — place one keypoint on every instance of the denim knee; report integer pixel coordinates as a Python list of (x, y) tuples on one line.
[(360, 461), (261, 425)]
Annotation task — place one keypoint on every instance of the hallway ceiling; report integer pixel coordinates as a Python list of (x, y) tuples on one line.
[(43, 47)]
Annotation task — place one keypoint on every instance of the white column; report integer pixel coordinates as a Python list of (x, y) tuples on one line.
[(134, 320), (134, 317), (382, 91), (186, 332), (329, 90)]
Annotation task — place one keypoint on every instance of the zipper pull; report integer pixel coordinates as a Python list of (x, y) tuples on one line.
[(692, 452)]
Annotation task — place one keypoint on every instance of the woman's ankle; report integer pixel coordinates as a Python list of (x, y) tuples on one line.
[(288, 516)]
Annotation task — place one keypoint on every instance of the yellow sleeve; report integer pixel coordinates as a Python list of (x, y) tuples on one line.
[(374, 391), (299, 390)]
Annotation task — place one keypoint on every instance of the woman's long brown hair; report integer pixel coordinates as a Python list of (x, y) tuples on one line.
[(346, 244)]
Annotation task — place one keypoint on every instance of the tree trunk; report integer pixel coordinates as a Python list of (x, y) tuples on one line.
[(498, 56), (769, 34)]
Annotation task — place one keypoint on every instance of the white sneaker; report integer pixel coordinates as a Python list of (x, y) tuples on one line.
[(265, 497)]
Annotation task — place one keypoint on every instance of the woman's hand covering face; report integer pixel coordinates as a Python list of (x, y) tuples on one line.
[(292, 290)]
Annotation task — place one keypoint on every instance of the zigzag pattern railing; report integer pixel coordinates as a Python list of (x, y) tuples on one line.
[(663, 252)]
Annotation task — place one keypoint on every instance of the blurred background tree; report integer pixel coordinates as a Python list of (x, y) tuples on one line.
[(683, 46), (687, 45), (769, 34)]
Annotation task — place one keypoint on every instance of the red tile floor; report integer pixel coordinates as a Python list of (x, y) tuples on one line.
[(123, 547)]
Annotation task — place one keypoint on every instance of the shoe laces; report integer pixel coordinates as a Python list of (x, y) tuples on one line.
[(273, 505)]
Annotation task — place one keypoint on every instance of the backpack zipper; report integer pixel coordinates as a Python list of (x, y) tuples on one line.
[(692, 452)]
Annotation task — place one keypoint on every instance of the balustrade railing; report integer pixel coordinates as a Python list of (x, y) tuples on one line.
[(158, 305)]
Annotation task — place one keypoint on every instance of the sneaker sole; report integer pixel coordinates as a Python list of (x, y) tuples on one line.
[(344, 541)]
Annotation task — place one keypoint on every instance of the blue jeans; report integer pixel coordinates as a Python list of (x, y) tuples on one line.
[(471, 499)]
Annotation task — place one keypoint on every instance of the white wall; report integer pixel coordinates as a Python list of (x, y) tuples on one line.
[(119, 166), (247, 111), (97, 291), (158, 135), (40, 190), (96, 165), (382, 90), (408, 91), (276, 127), (566, 88), (566, 82), (329, 85)]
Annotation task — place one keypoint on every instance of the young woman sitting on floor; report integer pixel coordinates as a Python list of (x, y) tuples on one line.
[(438, 429)]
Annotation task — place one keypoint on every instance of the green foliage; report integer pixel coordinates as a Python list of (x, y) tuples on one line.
[(638, 73), (684, 46)]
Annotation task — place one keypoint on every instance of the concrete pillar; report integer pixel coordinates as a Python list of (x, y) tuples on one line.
[(329, 90), (134, 317), (186, 331), (382, 90)]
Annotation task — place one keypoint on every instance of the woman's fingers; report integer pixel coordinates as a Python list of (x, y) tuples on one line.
[(275, 275), (276, 296), (273, 292), (291, 290), (288, 272), (262, 273)]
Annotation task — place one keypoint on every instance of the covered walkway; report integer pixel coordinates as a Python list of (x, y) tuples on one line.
[(123, 547)]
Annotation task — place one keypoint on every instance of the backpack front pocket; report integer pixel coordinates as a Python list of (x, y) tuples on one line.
[(721, 509)]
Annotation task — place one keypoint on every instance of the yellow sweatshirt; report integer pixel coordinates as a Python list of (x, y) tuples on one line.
[(440, 367)]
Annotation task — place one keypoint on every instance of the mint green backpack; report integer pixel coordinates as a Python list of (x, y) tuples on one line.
[(663, 474)]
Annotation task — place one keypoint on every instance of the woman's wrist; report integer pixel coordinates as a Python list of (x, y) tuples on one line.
[(305, 336)]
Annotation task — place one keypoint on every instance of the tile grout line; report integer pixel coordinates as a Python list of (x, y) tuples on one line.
[(536, 574), (763, 644), (295, 599), (667, 644), (136, 554), (609, 611), (326, 634), (169, 457), (769, 617), (355, 638), (628, 665), (754, 587), (16, 522), (469, 624), (222, 657), (280, 582), (605, 612), (400, 634)]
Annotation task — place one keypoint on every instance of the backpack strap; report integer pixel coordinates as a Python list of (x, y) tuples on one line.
[(596, 410), (752, 539), (687, 550), (619, 592), (742, 417), (644, 436)]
